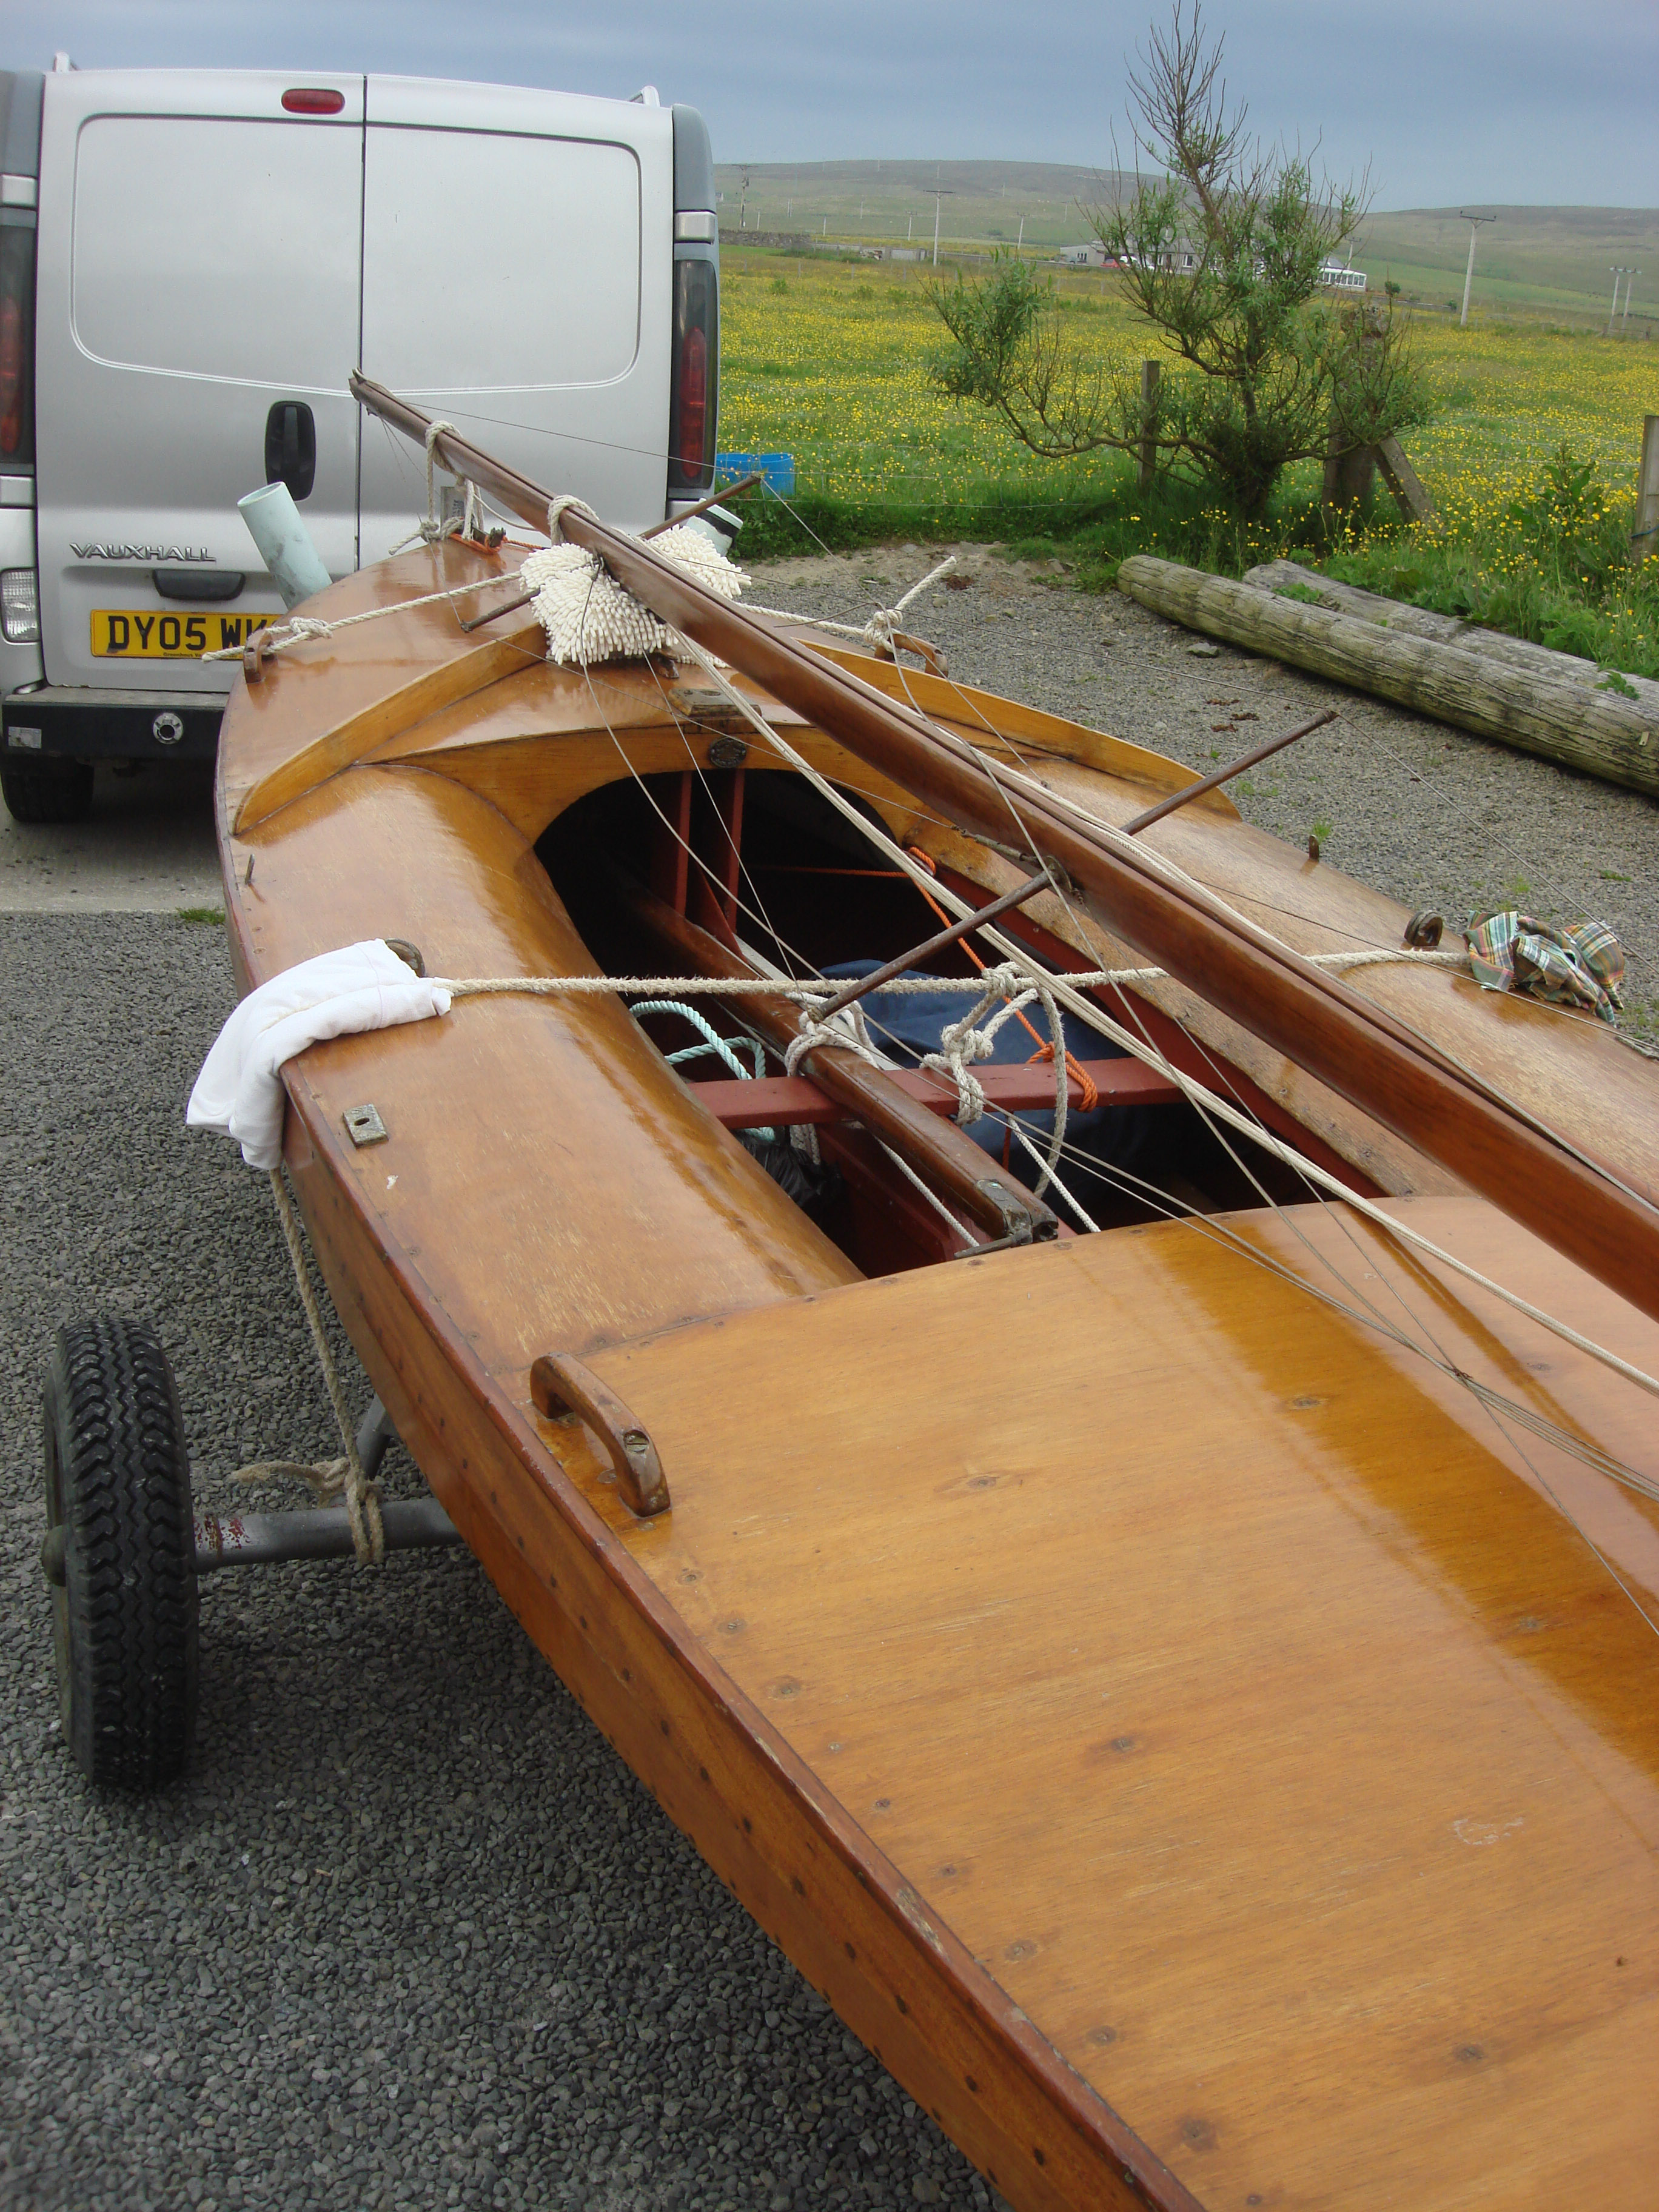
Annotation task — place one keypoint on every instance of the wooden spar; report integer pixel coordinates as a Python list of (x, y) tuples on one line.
[(1177, 799), (964, 1176), (1358, 1048)]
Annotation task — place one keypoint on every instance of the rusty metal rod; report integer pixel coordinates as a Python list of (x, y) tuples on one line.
[(507, 607), (1223, 774), (714, 499), (857, 989)]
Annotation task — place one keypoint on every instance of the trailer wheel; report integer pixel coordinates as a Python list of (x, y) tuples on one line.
[(46, 790), (120, 1554)]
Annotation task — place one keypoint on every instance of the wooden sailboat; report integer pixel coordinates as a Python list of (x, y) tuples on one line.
[(1186, 1694)]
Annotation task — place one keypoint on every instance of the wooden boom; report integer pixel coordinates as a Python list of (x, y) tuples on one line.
[(1359, 1049)]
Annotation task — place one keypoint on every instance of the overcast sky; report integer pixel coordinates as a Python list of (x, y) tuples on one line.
[(1518, 101)]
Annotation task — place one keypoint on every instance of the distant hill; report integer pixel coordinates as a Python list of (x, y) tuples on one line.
[(1540, 256), (984, 201), (1550, 258)]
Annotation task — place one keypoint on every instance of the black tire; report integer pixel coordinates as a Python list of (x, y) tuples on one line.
[(124, 1617), (46, 790)]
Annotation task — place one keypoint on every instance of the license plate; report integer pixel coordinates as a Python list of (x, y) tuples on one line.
[(151, 634)]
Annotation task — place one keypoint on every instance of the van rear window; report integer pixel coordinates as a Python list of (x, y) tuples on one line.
[(495, 261), (213, 246)]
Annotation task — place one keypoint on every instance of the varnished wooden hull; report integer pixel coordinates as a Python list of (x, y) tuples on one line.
[(1177, 1731)]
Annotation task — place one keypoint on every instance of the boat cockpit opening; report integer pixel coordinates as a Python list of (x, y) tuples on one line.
[(695, 872)]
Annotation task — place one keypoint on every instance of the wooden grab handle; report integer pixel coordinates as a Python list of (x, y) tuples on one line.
[(560, 1384)]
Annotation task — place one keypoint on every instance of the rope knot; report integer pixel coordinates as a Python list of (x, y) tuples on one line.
[(847, 1031), (466, 524)]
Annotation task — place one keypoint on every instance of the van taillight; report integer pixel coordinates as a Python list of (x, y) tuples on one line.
[(11, 376), (693, 396), (313, 99), (16, 343), (692, 405)]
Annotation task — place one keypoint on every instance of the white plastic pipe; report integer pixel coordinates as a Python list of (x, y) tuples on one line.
[(284, 543)]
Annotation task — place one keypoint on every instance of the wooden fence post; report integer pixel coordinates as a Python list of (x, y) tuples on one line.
[(1644, 538), (1401, 479), (1150, 373)]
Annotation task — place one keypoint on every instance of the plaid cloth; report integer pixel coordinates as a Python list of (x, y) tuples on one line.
[(1579, 966)]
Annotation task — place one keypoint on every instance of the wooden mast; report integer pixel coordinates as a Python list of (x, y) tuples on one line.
[(1359, 1050)]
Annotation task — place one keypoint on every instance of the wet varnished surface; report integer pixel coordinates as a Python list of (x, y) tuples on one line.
[(1222, 1677), (1100, 1664)]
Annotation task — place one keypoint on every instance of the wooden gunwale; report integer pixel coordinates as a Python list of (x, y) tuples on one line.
[(808, 1872), (1357, 1048)]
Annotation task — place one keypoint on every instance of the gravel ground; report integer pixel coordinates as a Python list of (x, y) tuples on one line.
[(408, 1934)]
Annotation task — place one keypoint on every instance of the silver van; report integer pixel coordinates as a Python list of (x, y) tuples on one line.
[(190, 264)]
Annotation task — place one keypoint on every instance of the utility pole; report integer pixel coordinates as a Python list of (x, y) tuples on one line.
[(1616, 272), (1624, 326), (1020, 241), (941, 193), (1474, 222)]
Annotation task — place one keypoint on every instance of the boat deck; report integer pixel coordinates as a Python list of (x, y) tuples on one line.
[(1183, 1729)]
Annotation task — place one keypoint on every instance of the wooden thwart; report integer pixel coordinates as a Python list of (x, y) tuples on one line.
[(1025, 1087)]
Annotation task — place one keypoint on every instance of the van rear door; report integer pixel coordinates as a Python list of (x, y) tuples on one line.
[(518, 280), (200, 267)]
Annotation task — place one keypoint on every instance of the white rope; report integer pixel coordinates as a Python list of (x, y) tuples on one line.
[(846, 1030), (878, 630), (964, 1042), (814, 989), (431, 531), (331, 1478), (295, 629)]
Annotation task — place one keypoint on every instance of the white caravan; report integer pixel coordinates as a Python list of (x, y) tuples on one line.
[(191, 262)]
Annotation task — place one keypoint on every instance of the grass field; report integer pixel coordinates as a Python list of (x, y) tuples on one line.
[(827, 361)]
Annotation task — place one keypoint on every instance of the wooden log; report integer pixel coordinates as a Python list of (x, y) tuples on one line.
[(1445, 629), (1597, 731)]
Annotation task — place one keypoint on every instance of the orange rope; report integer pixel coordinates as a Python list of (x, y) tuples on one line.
[(1045, 1049)]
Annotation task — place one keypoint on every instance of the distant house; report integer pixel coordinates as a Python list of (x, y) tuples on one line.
[(1180, 258)]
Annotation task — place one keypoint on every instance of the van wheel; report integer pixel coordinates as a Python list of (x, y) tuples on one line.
[(46, 790), (120, 1554)]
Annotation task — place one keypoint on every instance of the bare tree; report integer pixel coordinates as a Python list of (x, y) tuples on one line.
[(1220, 246)]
